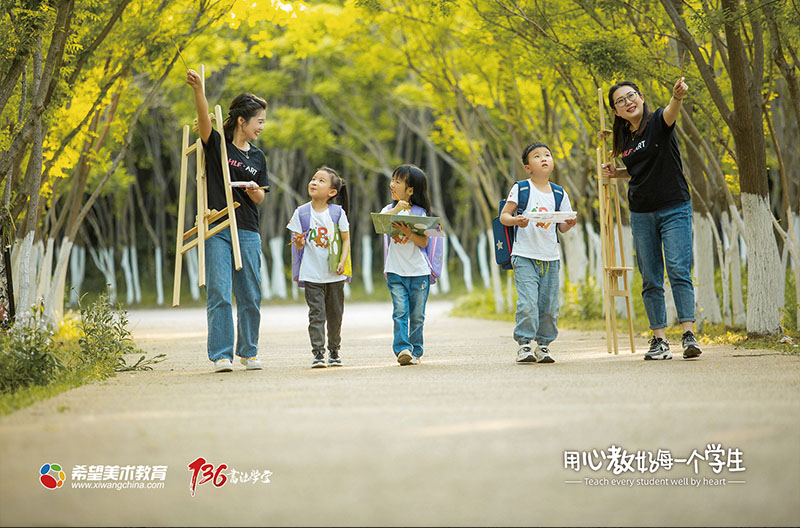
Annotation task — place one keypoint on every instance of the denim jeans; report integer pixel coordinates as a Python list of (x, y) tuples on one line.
[(409, 295), (221, 280), (670, 228), (537, 300)]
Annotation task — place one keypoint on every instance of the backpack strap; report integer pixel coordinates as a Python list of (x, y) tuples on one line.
[(304, 214), (335, 211), (558, 194), (523, 195)]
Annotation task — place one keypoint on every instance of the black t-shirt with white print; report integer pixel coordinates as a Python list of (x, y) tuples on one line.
[(654, 163), (242, 167)]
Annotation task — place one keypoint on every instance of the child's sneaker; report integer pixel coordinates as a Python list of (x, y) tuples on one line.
[(690, 347), (542, 354), (251, 363), (223, 365), (525, 355), (404, 357), (659, 349), (319, 360), (333, 359), (415, 361)]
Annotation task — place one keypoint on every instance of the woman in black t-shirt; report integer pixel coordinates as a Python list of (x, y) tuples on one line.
[(660, 205), (246, 164)]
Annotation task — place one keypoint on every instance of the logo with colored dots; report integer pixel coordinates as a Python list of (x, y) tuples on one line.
[(51, 476)]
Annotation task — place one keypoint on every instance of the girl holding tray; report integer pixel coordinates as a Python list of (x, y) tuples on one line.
[(412, 262)]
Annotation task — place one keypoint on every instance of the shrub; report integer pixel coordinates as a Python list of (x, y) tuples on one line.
[(27, 355)]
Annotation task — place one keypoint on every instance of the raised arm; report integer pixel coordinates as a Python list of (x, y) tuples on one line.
[(674, 107), (200, 103)]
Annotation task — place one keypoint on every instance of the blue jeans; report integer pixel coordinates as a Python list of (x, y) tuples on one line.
[(409, 295), (221, 279), (670, 228), (537, 300)]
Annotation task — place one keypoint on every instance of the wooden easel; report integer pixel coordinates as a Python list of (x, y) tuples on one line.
[(609, 213), (205, 217)]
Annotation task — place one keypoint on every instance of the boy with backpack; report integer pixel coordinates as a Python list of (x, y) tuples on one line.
[(534, 254)]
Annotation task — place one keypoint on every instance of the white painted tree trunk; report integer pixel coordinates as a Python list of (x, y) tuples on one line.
[(125, 264), (15, 254), (278, 277), (794, 224), (104, 260), (500, 305), (192, 272), (266, 287), (25, 269), (627, 240), (444, 280), (158, 256), (763, 316), (734, 267), (137, 286), (347, 290), (706, 301), (483, 263), (54, 301), (466, 262), (781, 278), (45, 269), (575, 253), (77, 272), (595, 259), (366, 263)]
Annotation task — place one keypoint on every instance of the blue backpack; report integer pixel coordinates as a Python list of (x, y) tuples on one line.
[(504, 235)]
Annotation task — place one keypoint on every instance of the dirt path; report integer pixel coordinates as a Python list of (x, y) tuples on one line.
[(466, 438)]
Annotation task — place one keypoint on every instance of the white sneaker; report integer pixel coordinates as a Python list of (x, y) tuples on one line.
[(404, 357), (251, 363), (542, 354), (525, 355), (415, 361), (223, 365)]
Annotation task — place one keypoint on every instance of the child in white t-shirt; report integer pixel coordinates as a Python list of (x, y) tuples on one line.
[(320, 261), (408, 270), (535, 257)]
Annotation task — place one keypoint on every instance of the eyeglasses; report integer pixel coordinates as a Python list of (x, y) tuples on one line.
[(622, 101)]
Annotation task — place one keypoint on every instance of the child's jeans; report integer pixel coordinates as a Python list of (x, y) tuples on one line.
[(325, 304), (409, 295), (537, 300), (221, 278), (669, 228)]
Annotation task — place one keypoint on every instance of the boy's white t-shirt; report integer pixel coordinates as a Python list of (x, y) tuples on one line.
[(404, 257), (314, 266), (538, 241)]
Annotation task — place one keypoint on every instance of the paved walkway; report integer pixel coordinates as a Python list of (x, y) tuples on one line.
[(466, 438)]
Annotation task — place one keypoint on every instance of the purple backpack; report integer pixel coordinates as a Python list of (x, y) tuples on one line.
[(304, 213), (433, 252)]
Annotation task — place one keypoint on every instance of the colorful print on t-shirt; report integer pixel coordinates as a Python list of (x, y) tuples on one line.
[(319, 235)]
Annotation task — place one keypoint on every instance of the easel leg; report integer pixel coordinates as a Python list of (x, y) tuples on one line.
[(176, 285)]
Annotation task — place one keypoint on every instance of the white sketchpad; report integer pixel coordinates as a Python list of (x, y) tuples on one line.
[(558, 217)]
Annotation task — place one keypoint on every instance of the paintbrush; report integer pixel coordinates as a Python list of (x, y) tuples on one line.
[(297, 237), (180, 54)]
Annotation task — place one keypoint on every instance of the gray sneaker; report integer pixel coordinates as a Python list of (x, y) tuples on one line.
[(319, 360), (690, 347), (659, 349), (333, 359), (543, 355), (525, 355)]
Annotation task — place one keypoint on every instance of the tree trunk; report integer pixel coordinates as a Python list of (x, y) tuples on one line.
[(278, 277), (466, 262), (707, 305), (77, 272), (483, 261)]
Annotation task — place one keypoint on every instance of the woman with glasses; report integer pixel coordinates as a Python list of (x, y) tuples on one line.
[(660, 205)]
